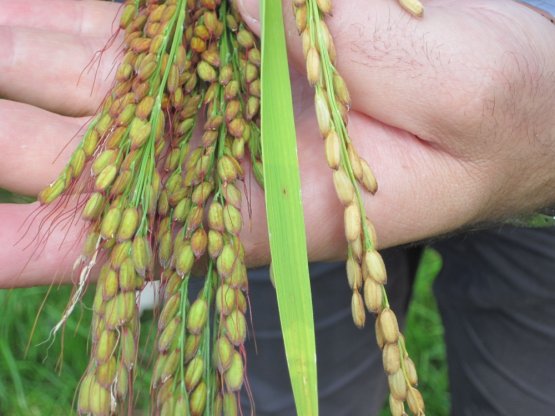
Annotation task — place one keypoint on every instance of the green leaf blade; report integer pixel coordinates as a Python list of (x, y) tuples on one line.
[(285, 212)]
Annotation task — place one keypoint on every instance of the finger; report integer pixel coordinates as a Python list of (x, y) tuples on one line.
[(59, 72), (411, 173), (36, 145), (36, 255), (421, 75), (423, 191), (86, 18)]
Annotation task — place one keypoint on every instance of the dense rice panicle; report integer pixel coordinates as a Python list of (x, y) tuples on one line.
[(146, 188)]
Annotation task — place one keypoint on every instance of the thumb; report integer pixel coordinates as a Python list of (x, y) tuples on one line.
[(366, 45), (250, 12)]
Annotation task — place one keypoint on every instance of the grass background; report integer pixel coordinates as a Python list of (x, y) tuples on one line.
[(40, 382)]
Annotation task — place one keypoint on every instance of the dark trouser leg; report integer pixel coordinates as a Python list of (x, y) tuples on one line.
[(496, 294)]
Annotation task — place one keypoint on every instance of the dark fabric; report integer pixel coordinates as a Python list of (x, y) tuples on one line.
[(496, 293), (351, 380)]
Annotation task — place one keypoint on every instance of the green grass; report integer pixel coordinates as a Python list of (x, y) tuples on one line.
[(425, 338), (34, 383), (8, 197), (31, 384)]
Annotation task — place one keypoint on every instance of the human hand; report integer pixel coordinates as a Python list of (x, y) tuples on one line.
[(452, 112)]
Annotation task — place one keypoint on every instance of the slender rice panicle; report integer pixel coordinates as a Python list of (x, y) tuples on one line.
[(366, 272)]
